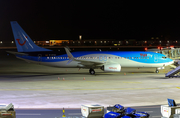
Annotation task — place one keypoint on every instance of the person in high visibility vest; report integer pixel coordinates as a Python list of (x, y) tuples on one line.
[(63, 113)]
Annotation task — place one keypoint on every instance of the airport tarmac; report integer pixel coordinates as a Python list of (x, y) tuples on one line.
[(29, 85)]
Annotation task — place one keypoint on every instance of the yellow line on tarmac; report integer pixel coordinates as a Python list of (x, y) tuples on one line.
[(119, 88), (171, 83), (28, 89), (128, 82), (131, 82), (83, 89), (76, 80), (93, 81)]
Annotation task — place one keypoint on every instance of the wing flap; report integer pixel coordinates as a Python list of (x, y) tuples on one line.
[(89, 63)]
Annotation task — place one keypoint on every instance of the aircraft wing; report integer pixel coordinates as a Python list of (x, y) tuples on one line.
[(89, 63), (16, 53), (86, 63)]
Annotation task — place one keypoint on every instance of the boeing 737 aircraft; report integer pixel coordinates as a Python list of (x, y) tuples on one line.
[(108, 61)]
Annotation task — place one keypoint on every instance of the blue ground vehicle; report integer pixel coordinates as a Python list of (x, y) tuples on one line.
[(118, 111)]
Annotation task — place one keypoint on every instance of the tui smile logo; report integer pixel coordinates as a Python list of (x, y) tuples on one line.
[(21, 44)]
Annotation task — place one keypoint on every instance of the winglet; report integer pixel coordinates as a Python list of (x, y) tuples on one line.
[(71, 58), (68, 48)]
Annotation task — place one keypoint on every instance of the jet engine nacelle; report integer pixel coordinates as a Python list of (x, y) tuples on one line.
[(111, 68)]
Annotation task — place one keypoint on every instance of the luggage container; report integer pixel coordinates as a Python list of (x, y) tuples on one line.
[(177, 111), (92, 111), (176, 116), (7, 111), (169, 110)]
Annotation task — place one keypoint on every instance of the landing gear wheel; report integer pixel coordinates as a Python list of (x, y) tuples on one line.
[(91, 71), (157, 71)]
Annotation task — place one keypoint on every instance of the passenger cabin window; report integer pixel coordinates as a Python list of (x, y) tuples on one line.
[(164, 57)]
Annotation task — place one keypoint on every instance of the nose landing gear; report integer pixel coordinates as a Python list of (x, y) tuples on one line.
[(157, 71)]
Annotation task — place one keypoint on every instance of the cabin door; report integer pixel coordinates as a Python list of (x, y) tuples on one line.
[(39, 57)]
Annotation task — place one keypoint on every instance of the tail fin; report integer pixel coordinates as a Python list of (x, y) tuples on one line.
[(23, 42)]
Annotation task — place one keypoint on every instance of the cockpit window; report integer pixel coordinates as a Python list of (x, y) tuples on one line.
[(164, 57)]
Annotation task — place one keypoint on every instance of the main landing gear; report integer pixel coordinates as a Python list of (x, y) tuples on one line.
[(91, 71), (157, 71)]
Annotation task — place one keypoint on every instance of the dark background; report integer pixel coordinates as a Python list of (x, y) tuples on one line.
[(57, 19)]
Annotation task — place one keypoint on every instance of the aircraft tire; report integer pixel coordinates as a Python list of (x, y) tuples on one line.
[(157, 71), (91, 71)]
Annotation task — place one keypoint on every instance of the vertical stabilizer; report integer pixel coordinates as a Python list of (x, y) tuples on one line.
[(23, 42)]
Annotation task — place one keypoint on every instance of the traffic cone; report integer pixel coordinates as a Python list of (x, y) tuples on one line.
[(124, 73), (63, 79), (58, 78), (84, 78)]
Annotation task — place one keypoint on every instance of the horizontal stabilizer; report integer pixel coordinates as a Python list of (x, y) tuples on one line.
[(16, 53)]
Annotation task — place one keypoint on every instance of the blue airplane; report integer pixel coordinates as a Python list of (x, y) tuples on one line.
[(108, 61)]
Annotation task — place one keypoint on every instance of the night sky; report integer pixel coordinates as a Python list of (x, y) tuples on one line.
[(57, 19)]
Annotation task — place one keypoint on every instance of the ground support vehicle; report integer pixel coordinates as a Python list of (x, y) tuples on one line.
[(119, 111)]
